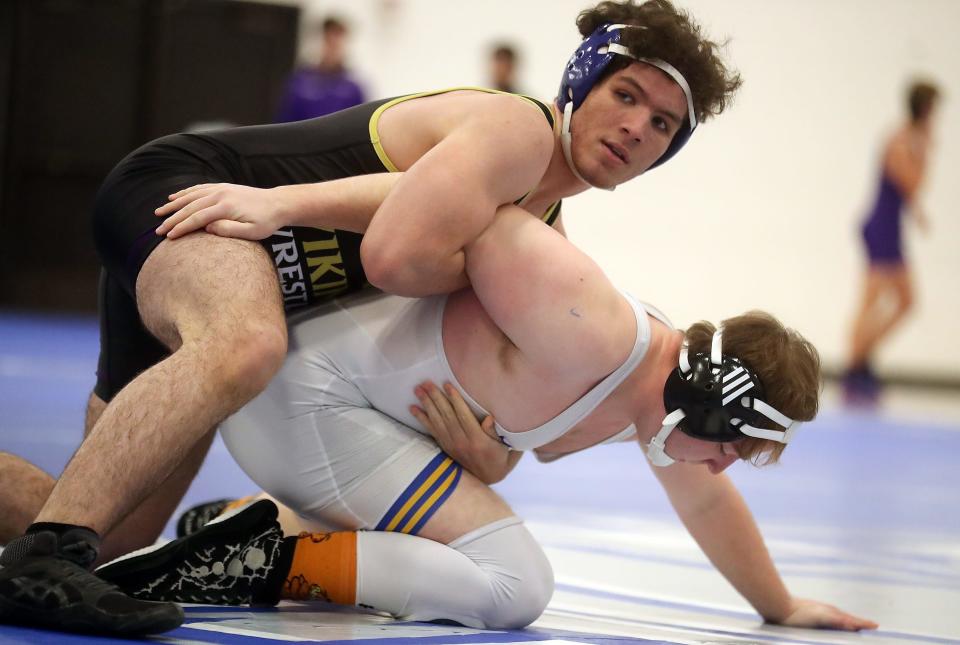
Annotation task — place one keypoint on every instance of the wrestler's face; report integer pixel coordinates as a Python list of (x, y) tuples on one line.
[(625, 124), (715, 456)]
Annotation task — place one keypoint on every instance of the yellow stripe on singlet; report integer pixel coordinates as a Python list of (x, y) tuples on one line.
[(550, 211), (430, 501), (375, 117), (415, 498)]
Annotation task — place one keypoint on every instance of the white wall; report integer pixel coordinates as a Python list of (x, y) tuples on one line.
[(762, 208)]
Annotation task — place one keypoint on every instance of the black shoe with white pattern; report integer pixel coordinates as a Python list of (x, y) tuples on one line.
[(238, 559), (196, 517)]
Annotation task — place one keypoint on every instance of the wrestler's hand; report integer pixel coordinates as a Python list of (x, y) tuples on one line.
[(471, 443), (228, 210), (818, 615)]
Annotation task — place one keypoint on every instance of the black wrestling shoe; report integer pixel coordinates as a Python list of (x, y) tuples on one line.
[(44, 589), (237, 559), (196, 517)]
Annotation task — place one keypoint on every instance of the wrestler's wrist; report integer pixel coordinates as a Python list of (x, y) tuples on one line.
[(289, 206)]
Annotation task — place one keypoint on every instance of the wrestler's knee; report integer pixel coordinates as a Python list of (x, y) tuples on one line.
[(530, 599), (248, 355), (906, 299), (528, 604), (521, 578)]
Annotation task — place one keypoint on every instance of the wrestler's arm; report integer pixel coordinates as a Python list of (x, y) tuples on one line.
[(414, 244), (718, 519), (549, 298), (905, 167), (249, 213)]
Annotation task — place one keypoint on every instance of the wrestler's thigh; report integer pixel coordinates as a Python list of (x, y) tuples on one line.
[(206, 285), (900, 279), (313, 443), (472, 505)]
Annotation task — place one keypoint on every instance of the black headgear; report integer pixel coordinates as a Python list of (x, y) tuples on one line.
[(717, 398)]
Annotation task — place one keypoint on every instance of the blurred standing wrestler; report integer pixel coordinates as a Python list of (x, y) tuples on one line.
[(888, 293)]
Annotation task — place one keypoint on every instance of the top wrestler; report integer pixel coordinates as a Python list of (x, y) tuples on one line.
[(193, 326)]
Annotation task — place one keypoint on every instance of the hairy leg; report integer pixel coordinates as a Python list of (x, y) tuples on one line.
[(144, 525), (215, 303), (141, 528), (26, 488), (29, 487)]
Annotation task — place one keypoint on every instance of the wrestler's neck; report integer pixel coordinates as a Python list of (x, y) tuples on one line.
[(558, 181), (640, 397)]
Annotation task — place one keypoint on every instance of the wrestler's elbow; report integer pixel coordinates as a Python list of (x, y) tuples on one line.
[(412, 270)]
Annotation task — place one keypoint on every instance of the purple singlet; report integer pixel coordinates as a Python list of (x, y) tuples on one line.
[(881, 230)]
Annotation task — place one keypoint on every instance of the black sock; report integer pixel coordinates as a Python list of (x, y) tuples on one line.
[(79, 544), (56, 527)]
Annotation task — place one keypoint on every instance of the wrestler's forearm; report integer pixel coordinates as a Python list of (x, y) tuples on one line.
[(727, 533), (346, 204)]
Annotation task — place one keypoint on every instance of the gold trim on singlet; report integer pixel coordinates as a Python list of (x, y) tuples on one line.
[(374, 124), (550, 211)]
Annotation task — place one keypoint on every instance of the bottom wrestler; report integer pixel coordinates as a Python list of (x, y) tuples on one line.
[(546, 345)]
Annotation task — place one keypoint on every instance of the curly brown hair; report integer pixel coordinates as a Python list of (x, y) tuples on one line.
[(786, 363), (670, 35)]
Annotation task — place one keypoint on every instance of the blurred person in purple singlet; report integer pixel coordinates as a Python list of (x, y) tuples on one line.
[(327, 86), (887, 292)]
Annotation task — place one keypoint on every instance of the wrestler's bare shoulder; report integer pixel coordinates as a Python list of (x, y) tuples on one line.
[(410, 128)]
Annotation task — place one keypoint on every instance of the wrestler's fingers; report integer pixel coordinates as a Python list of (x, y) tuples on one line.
[(198, 220), (430, 408), (487, 425), (234, 229), (184, 213), (189, 189), (178, 203), (421, 416), (442, 404), (466, 417), (174, 221), (432, 420)]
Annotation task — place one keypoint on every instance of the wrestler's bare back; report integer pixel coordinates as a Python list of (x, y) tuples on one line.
[(522, 395)]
